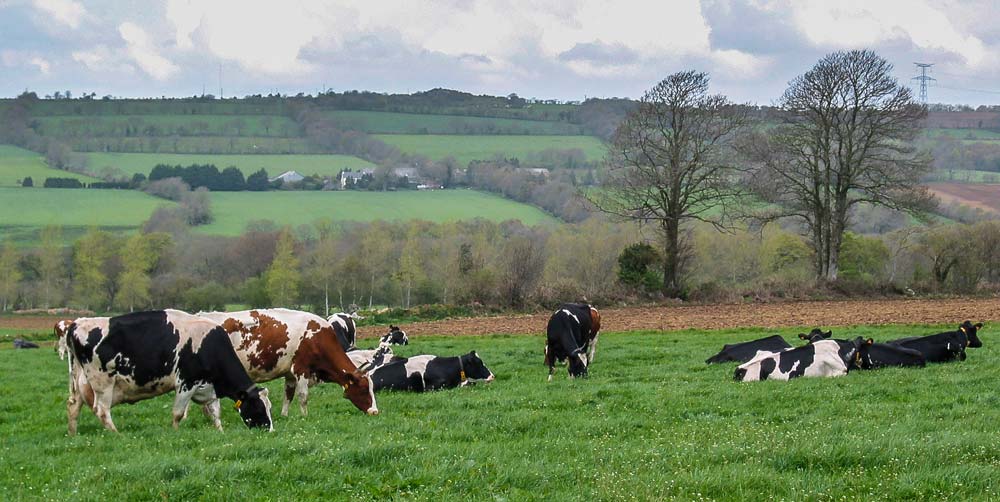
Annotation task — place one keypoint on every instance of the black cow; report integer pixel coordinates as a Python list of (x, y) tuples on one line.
[(815, 335), (571, 335), (880, 355), (145, 354), (420, 373), (20, 343), (824, 358), (946, 346), (395, 336), (347, 331), (745, 351)]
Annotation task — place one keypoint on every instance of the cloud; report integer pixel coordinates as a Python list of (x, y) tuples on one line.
[(67, 12), (40, 63), (141, 49)]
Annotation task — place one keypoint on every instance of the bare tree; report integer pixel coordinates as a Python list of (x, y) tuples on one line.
[(669, 163), (846, 139)]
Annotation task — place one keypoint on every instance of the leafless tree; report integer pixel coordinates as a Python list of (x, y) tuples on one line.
[(846, 138), (670, 162)]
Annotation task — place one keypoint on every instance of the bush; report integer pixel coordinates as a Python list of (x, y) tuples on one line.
[(862, 258), (28, 182), (208, 296), (637, 266), (62, 183)]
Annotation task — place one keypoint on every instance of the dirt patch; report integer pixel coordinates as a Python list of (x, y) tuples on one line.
[(41, 323), (985, 197), (772, 315)]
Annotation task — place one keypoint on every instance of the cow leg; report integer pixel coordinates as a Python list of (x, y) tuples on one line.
[(181, 402), (302, 391), (213, 410), (592, 349), (102, 408), (289, 395), (73, 404)]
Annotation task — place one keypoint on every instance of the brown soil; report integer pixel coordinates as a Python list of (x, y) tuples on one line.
[(764, 315), (985, 197)]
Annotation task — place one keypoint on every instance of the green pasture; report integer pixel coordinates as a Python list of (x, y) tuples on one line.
[(194, 144), (167, 125), (18, 163), (466, 148), (652, 422), (233, 210), (325, 165), (412, 123)]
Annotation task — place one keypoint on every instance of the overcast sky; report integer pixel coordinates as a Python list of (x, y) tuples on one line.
[(536, 48)]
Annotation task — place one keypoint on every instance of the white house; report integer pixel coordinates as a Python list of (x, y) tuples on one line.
[(288, 177)]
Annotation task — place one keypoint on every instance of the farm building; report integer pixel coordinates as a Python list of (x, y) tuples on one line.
[(353, 176), (288, 177)]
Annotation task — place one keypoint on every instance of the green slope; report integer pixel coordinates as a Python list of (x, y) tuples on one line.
[(466, 148)]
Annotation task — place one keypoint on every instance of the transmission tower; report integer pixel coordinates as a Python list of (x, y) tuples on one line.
[(923, 78)]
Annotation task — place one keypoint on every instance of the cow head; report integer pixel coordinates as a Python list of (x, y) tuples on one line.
[(60, 330), (578, 363), (475, 369), (816, 335), (972, 333), (857, 352), (254, 408), (395, 336), (358, 389)]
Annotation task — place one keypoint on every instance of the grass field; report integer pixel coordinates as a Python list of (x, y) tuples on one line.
[(411, 123), (326, 165), (233, 210), (467, 148), (969, 134), (18, 163), (167, 125), (652, 422), (195, 144)]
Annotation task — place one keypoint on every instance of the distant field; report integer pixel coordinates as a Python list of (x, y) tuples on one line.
[(192, 144), (167, 125), (411, 123), (964, 176), (985, 197), (326, 165), (18, 163), (970, 134), (233, 210), (467, 148)]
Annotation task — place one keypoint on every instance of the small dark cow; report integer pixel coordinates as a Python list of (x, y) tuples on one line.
[(746, 351), (347, 331), (421, 373), (946, 346), (880, 355), (395, 336), (571, 335), (137, 356), (20, 343), (824, 358)]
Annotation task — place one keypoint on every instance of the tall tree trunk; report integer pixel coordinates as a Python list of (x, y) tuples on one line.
[(671, 258), (371, 292)]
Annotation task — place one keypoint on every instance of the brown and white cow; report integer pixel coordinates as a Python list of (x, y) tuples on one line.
[(299, 346)]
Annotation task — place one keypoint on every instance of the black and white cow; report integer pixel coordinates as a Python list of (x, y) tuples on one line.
[(815, 335), (746, 351), (421, 373), (880, 355), (346, 329), (368, 360), (946, 346), (395, 336), (571, 335), (824, 358), (137, 356)]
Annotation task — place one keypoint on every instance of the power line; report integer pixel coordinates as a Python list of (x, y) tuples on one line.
[(923, 78)]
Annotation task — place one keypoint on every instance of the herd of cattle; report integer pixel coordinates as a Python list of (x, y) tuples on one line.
[(214, 355)]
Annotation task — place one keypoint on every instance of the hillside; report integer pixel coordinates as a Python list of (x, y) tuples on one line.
[(306, 164), (18, 163)]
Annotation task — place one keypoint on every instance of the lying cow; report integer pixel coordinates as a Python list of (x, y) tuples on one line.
[(421, 373), (824, 358), (815, 335), (299, 346), (368, 360), (946, 346), (880, 355), (746, 351), (347, 331), (571, 335), (145, 354), (21, 343), (395, 336)]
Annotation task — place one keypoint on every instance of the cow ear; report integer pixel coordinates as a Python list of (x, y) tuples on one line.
[(803, 336), (263, 393), (828, 334), (979, 325), (869, 341)]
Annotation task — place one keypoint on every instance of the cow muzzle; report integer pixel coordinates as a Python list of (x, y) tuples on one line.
[(372, 411)]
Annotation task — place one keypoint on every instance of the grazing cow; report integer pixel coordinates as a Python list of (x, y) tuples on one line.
[(880, 355), (824, 358), (746, 351), (945, 346), (368, 360), (299, 346), (395, 336), (137, 356), (347, 331), (571, 335), (421, 373)]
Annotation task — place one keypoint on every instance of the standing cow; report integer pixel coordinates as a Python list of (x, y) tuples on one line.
[(299, 346), (145, 354), (571, 335)]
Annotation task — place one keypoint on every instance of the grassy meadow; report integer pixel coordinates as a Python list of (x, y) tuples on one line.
[(166, 125), (326, 165), (411, 123), (466, 148), (18, 163), (965, 134), (233, 210), (652, 422)]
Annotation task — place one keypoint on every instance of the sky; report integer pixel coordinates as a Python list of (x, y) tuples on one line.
[(556, 49)]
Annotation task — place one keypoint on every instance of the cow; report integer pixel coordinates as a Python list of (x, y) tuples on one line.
[(426, 372), (368, 360), (346, 329), (746, 351), (21, 343), (880, 355), (395, 336), (946, 346), (571, 335), (137, 356), (824, 358), (299, 346), (815, 335)]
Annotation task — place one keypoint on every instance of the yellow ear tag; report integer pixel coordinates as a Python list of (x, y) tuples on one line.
[(239, 402), (346, 385), (461, 375), (963, 329)]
